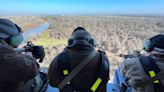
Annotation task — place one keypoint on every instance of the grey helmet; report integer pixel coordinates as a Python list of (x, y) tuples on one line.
[(10, 32)]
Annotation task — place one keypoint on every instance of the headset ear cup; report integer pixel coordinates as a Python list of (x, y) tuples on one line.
[(70, 41), (92, 41), (148, 46), (15, 41)]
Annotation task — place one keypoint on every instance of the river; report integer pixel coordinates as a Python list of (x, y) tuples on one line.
[(35, 31)]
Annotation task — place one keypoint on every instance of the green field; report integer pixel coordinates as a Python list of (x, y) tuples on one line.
[(47, 41)]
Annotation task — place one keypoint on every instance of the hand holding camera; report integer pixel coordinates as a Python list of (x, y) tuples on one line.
[(37, 51)]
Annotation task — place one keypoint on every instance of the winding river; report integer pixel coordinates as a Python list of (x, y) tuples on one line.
[(35, 31)]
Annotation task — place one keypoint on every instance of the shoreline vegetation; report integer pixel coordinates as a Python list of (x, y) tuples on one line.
[(26, 22), (47, 41)]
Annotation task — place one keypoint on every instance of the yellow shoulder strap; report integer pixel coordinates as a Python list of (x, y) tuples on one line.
[(152, 74), (96, 84)]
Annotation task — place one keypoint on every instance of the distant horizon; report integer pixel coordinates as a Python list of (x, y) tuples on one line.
[(130, 14), (103, 15), (121, 15)]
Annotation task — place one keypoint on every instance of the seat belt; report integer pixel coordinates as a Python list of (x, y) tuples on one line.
[(76, 70), (151, 69)]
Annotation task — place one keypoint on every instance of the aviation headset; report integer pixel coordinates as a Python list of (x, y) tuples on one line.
[(148, 45), (90, 40), (13, 40)]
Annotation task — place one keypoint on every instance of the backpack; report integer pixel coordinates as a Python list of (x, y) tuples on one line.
[(151, 69), (102, 75)]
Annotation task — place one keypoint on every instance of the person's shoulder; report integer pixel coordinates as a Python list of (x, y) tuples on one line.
[(63, 53), (133, 59), (100, 52), (60, 55), (8, 53), (6, 48), (130, 62)]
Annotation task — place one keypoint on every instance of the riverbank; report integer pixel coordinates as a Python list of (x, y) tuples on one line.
[(26, 22), (47, 40)]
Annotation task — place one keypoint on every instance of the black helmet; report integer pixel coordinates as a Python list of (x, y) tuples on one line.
[(10, 32), (81, 33), (155, 43)]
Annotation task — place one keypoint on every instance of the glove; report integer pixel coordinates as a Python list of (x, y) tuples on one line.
[(28, 53), (38, 52)]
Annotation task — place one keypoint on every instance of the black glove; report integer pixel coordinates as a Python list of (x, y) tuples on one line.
[(38, 53)]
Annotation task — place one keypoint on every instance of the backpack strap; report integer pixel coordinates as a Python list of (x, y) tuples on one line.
[(77, 69), (151, 69), (103, 73), (158, 76), (64, 62)]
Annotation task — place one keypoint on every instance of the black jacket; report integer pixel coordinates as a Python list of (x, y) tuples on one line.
[(16, 70), (86, 77)]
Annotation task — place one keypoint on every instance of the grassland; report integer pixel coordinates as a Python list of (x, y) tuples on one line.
[(47, 41)]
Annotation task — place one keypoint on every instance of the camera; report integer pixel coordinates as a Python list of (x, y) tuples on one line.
[(37, 51)]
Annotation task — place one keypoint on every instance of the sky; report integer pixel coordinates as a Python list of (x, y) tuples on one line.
[(81, 7)]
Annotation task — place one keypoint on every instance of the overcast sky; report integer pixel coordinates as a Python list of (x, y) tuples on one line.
[(81, 7)]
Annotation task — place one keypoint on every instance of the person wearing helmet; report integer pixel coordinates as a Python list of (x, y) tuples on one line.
[(80, 55), (145, 72), (15, 69)]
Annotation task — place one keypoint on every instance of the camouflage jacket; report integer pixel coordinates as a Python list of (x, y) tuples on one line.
[(133, 71)]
